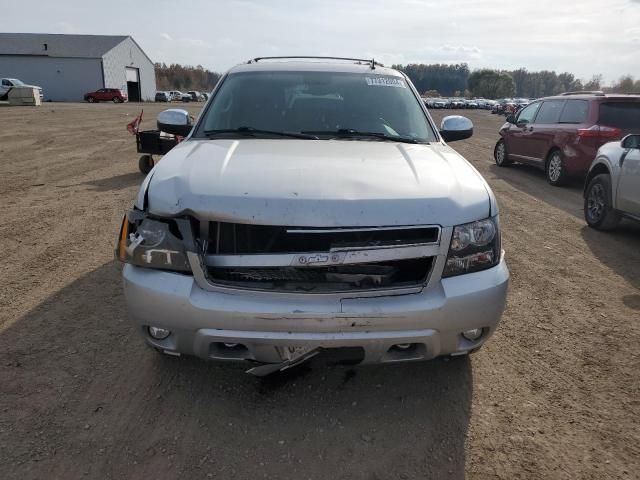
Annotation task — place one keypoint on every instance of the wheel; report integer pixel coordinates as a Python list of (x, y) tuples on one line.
[(145, 164), (116, 100), (555, 169), (598, 209), (91, 100), (500, 154)]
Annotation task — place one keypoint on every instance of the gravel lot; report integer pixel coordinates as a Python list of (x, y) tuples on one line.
[(555, 394)]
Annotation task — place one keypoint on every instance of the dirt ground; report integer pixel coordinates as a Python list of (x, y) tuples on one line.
[(555, 394)]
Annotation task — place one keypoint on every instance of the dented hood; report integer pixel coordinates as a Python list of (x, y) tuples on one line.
[(328, 183)]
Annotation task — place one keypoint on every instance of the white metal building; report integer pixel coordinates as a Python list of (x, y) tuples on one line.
[(68, 66)]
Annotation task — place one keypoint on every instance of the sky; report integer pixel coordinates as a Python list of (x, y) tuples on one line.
[(584, 37)]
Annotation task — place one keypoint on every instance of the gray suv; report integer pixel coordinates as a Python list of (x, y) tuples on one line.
[(612, 189), (314, 205)]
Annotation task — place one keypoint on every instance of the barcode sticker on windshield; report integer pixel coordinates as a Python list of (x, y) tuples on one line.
[(385, 82)]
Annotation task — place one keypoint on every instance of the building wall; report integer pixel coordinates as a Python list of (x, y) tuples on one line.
[(128, 54), (62, 79)]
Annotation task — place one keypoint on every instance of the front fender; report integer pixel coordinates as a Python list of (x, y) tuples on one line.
[(141, 198)]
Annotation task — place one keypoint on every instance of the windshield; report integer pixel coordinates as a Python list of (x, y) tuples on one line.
[(16, 82), (323, 103)]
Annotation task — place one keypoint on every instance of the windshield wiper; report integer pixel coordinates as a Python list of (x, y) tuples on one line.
[(350, 132), (250, 131)]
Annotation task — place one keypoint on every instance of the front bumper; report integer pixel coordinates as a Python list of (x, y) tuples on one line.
[(267, 326)]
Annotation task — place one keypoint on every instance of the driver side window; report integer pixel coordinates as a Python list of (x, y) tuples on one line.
[(528, 113)]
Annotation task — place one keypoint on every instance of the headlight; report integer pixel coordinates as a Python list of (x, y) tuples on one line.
[(151, 243), (474, 247)]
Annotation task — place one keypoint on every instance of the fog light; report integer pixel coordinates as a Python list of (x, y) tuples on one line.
[(159, 333), (473, 334)]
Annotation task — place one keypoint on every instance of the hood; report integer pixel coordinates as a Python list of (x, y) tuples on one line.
[(326, 183)]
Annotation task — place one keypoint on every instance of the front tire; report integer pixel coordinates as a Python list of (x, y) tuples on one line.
[(500, 154), (598, 206), (145, 164), (91, 100), (556, 169)]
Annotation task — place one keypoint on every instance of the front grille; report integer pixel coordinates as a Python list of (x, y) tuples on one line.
[(334, 259), (366, 276), (237, 238)]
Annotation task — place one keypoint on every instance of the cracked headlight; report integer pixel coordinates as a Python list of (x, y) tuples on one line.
[(474, 246), (151, 243)]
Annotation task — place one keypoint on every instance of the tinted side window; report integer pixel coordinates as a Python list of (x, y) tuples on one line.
[(625, 115), (575, 111), (528, 113), (550, 111)]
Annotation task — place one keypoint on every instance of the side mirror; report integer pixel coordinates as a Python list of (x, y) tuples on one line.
[(455, 127), (631, 141), (175, 121), (511, 118)]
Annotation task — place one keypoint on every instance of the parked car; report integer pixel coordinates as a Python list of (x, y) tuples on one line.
[(234, 252), (205, 95), (444, 103), (612, 188), (163, 97), (428, 102), (6, 84), (562, 134), (176, 95), (471, 104), (457, 103), (498, 107), (440, 103), (435, 103), (195, 96), (490, 104), (510, 108), (114, 95)]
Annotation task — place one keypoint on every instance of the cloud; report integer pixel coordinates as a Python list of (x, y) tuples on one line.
[(66, 27), (194, 42), (463, 52), (166, 36)]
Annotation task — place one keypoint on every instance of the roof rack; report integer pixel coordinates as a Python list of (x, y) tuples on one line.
[(370, 61), (584, 92)]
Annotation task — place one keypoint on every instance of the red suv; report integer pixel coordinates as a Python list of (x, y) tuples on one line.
[(114, 95), (562, 134)]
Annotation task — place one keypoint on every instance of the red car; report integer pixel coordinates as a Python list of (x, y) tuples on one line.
[(562, 134), (114, 95)]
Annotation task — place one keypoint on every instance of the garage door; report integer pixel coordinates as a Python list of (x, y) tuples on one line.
[(132, 74), (133, 84)]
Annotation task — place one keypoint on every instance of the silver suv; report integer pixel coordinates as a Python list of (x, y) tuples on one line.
[(314, 205), (612, 189)]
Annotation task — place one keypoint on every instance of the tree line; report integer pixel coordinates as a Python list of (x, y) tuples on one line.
[(435, 80), (457, 80), (185, 77)]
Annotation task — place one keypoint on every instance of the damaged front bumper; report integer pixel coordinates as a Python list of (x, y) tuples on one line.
[(272, 327)]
